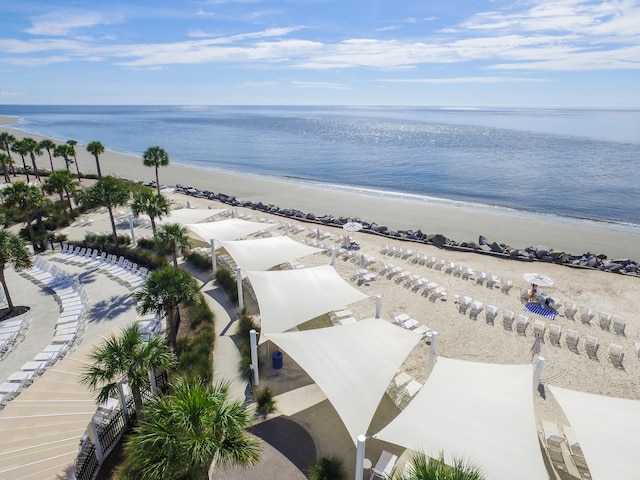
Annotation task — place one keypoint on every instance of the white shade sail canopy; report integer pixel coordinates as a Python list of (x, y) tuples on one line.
[(229, 229), (184, 216), (481, 413), (352, 364), (288, 298), (608, 430), (265, 253)]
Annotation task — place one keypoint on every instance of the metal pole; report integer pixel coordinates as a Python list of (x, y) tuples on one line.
[(254, 356), (360, 457), (213, 257), (239, 283), (432, 353), (286, 229), (333, 256), (537, 375), (95, 438), (378, 305)]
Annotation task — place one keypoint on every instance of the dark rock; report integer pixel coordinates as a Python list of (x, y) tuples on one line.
[(439, 240), (621, 261), (612, 267), (496, 248), (484, 248), (482, 240)]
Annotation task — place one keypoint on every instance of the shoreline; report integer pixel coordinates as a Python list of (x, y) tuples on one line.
[(459, 222)]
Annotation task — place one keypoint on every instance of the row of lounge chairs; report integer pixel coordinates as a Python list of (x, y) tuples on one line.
[(481, 278), (12, 332), (403, 388), (606, 321), (119, 268), (561, 443), (431, 290), (68, 331)]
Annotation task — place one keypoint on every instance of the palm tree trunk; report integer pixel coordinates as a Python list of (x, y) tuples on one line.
[(69, 200), (77, 169), (32, 234), (64, 209), (24, 164), (98, 166), (171, 327), (113, 228), (50, 160), (137, 401), (153, 225), (175, 255), (35, 167), (6, 290), (157, 181)]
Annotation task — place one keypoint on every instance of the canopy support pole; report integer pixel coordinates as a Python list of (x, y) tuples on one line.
[(537, 375), (333, 256), (378, 305), (432, 352), (133, 235), (239, 284), (213, 257), (360, 457), (254, 356)]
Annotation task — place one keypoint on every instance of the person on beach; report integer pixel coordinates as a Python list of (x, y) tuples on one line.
[(534, 292)]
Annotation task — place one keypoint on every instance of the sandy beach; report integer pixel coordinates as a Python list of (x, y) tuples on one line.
[(460, 336), (459, 222)]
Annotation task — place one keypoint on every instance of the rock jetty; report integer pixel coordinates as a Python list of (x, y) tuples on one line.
[(483, 246)]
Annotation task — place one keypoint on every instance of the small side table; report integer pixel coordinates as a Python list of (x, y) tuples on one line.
[(366, 465)]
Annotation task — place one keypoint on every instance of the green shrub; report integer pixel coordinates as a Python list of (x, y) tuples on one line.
[(199, 260), (244, 326), (147, 243), (265, 401), (228, 283), (328, 468)]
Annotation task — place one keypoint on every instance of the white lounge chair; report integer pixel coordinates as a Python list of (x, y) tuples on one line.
[(384, 466), (585, 315), (507, 319), (522, 322), (604, 320), (490, 314), (570, 310), (615, 353), (539, 327), (464, 304), (474, 309), (618, 325), (505, 285), (571, 337), (554, 334), (591, 345)]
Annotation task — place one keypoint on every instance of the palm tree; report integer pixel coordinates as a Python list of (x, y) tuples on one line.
[(6, 140), (95, 149), (328, 468), (27, 198), (150, 203), (20, 148), (6, 161), (162, 291), (64, 151), (130, 356), (107, 192), (155, 157), (12, 251), (61, 182), (187, 430), (172, 237), (422, 467), (48, 145), (33, 148), (72, 153)]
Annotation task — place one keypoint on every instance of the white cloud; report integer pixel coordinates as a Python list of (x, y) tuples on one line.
[(459, 80), (63, 22), (321, 85)]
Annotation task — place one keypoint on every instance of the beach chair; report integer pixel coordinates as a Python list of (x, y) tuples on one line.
[(437, 293), (571, 338), (615, 354), (490, 314), (570, 310), (384, 466), (522, 322), (585, 315), (467, 273), (407, 392), (475, 308), (591, 345), (525, 295), (464, 304), (399, 381), (507, 319), (604, 320), (505, 285), (539, 327), (553, 441), (555, 333), (618, 325), (491, 281)]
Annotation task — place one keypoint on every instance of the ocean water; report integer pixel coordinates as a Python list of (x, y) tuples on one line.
[(578, 163)]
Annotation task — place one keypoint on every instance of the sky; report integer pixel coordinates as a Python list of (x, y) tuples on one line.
[(573, 53)]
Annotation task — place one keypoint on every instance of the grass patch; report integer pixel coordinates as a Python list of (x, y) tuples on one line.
[(196, 339)]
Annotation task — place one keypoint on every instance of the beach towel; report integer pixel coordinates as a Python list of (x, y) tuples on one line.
[(542, 311)]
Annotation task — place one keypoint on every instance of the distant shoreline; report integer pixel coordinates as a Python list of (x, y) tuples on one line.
[(462, 223)]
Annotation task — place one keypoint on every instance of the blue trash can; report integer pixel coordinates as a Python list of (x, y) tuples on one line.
[(276, 359)]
